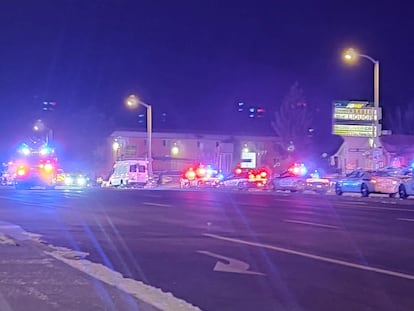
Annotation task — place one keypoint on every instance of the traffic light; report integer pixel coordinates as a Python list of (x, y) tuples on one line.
[(49, 105), (260, 112)]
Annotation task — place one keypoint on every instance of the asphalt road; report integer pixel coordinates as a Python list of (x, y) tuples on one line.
[(236, 251)]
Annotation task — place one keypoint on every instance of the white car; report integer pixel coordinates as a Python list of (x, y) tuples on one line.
[(366, 182), (246, 180), (406, 187)]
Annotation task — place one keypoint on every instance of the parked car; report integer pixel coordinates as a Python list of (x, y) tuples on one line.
[(200, 175), (290, 181), (406, 187), (366, 182), (317, 184), (244, 179), (77, 180)]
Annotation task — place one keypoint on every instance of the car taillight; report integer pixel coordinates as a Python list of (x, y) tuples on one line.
[(21, 171), (48, 167), (263, 174), (201, 172), (190, 175)]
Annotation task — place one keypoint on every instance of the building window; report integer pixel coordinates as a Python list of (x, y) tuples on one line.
[(145, 142), (164, 143), (198, 144)]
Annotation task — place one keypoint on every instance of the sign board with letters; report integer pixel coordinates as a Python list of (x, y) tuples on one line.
[(248, 160), (356, 119), (357, 130)]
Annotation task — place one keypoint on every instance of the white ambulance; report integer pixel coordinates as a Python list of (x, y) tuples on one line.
[(129, 173)]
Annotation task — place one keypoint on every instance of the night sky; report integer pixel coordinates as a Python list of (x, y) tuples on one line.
[(193, 60)]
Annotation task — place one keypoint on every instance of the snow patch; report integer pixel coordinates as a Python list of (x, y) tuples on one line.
[(151, 295), (76, 259), (16, 232), (5, 240)]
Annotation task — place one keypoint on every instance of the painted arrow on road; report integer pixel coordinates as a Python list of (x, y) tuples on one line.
[(232, 265)]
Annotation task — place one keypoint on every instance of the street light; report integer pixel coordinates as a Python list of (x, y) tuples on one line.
[(132, 102), (351, 55), (115, 147), (40, 127)]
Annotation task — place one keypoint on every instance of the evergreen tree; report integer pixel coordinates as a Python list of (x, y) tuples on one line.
[(292, 123)]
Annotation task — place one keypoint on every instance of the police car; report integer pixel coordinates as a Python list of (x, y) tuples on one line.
[(244, 179), (297, 179)]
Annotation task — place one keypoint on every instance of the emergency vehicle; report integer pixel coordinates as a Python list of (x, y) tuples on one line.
[(246, 178), (128, 173), (35, 168), (200, 175), (298, 179)]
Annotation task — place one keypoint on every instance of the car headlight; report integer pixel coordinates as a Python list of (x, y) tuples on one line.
[(81, 181), (68, 180)]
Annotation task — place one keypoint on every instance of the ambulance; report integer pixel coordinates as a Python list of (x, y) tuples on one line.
[(129, 173)]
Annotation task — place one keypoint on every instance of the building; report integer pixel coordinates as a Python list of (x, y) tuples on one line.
[(390, 151), (174, 151)]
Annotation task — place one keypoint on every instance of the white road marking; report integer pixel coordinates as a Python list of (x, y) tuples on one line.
[(405, 219), (157, 204), (355, 202), (390, 208), (233, 265), (310, 224), (315, 257)]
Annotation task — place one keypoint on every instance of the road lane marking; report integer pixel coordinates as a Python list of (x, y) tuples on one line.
[(405, 219), (310, 224), (157, 204), (233, 265), (390, 208), (312, 256), (355, 202)]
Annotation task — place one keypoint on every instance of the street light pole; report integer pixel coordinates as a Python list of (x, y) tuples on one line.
[(352, 55), (375, 122), (149, 135), (376, 78), (132, 102), (376, 84)]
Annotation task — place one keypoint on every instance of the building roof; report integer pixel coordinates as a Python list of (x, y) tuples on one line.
[(398, 143), (193, 135)]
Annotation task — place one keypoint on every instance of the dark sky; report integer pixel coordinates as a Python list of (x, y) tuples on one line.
[(192, 59)]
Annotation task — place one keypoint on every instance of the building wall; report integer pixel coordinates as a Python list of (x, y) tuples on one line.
[(222, 151), (391, 150)]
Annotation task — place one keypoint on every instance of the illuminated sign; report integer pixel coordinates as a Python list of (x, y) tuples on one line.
[(353, 104), (248, 160), (357, 130), (357, 114), (356, 118)]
